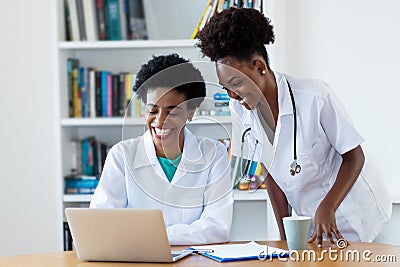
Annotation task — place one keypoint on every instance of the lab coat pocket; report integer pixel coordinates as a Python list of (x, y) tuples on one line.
[(310, 174)]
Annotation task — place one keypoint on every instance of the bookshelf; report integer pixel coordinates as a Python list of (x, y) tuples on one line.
[(170, 25)]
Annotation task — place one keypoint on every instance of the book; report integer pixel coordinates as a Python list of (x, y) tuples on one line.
[(122, 19), (97, 90), (202, 17), (72, 63), (76, 94), (89, 13), (240, 252), (137, 20), (109, 96), (67, 237), (115, 100), (75, 36), (130, 79), (80, 184), (87, 155), (103, 84), (77, 157), (122, 97), (101, 20), (81, 20), (82, 90), (213, 9), (92, 92), (113, 20), (97, 93), (220, 6), (127, 20), (226, 4), (67, 20)]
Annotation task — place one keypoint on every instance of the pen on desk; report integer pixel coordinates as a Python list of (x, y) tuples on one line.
[(199, 250)]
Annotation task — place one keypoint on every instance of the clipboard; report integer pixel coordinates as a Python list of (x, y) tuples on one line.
[(241, 252)]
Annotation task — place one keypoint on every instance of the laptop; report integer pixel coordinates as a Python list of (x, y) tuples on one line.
[(120, 235)]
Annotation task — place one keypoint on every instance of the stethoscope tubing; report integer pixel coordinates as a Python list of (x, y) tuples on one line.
[(294, 167), (294, 121)]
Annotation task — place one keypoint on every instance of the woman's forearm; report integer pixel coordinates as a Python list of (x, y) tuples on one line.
[(349, 171), (278, 201)]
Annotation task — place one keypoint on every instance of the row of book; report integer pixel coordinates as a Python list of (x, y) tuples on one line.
[(93, 20), (100, 93), (88, 158), (217, 6)]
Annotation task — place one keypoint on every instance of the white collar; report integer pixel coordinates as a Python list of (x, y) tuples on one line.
[(284, 100), (146, 154)]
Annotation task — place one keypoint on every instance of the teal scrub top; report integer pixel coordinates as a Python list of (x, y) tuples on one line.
[(169, 166)]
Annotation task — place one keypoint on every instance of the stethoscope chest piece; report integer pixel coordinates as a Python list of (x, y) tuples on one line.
[(294, 168)]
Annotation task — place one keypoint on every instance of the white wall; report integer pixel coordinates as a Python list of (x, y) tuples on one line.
[(29, 188), (354, 46)]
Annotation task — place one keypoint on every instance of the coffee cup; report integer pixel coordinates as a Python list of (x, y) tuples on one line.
[(297, 231)]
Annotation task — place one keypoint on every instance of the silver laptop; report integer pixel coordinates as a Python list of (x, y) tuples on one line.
[(125, 235)]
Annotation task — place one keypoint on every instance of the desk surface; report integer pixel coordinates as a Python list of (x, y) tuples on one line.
[(356, 254)]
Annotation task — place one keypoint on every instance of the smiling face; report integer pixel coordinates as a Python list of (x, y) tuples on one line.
[(167, 113), (240, 80)]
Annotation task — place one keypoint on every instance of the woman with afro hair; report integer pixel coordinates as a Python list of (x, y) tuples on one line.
[(309, 149), (187, 177)]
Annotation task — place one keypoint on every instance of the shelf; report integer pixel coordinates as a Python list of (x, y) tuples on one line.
[(395, 198), (77, 198), (245, 195), (260, 194), (137, 44), (78, 122)]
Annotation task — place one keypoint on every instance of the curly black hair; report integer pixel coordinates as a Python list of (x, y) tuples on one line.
[(236, 32), (171, 71)]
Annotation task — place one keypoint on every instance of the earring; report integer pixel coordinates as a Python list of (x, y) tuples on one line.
[(263, 72)]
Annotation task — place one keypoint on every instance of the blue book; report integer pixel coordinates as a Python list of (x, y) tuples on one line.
[(113, 20), (82, 88), (103, 86), (85, 153), (81, 184)]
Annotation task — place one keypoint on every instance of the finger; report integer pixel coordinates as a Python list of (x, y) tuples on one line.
[(328, 232), (319, 236), (319, 240), (313, 237), (338, 235)]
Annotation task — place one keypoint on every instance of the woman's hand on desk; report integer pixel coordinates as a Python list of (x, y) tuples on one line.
[(325, 222)]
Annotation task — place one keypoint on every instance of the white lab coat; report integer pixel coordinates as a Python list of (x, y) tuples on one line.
[(197, 205), (324, 132)]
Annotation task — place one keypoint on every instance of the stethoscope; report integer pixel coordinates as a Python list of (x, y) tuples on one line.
[(294, 168)]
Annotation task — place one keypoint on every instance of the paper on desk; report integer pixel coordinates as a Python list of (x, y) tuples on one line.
[(234, 252)]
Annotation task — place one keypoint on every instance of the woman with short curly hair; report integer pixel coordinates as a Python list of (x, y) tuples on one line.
[(300, 133), (187, 177)]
